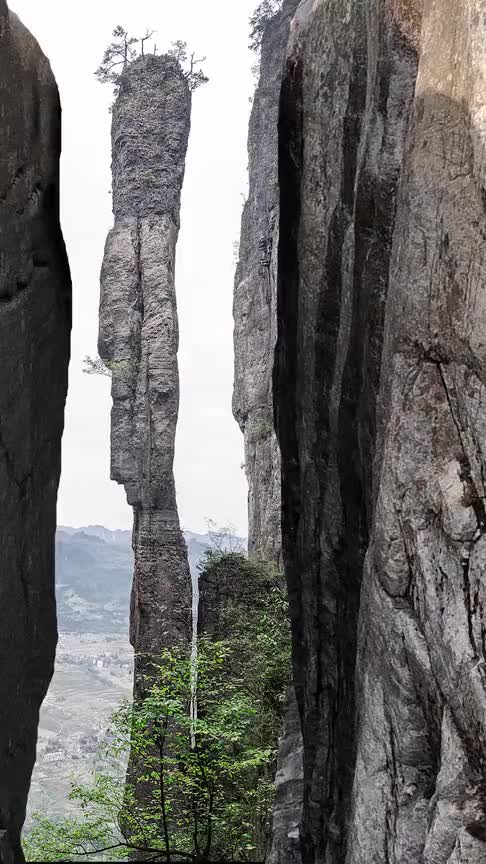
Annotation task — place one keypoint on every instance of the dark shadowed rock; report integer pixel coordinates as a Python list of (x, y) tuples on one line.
[(35, 318), (254, 306), (379, 407), (138, 338), (255, 333), (287, 810), (346, 97), (419, 787)]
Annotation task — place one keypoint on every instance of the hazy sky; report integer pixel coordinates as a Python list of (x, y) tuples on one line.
[(209, 450)]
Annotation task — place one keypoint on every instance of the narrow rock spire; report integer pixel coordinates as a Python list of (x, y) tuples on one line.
[(138, 339)]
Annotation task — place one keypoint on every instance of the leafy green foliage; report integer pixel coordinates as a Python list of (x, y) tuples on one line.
[(199, 789), (265, 11), (253, 621)]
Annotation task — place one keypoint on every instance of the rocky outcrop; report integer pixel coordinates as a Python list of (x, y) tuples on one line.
[(138, 339), (231, 588), (287, 810), (255, 333), (379, 380), (346, 99), (35, 320), (422, 638), (254, 309)]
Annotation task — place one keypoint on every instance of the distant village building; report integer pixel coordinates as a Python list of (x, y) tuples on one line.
[(57, 756)]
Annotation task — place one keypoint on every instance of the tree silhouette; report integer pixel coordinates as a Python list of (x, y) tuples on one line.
[(188, 62), (117, 56), (124, 49)]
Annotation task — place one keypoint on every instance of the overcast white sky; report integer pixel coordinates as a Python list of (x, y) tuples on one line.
[(209, 451)]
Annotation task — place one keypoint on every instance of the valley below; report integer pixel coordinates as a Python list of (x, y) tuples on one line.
[(93, 676), (94, 663)]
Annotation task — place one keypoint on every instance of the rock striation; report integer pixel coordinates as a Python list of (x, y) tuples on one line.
[(287, 809), (346, 98), (379, 378), (255, 333), (35, 321), (254, 306), (138, 339), (421, 708)]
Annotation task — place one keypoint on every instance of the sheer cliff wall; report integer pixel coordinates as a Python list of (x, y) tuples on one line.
[(35, 321), (419, 787), (254, 306), (380, 415), (255, 333), (138, 339)]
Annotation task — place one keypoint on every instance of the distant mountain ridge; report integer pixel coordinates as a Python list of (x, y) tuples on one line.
[(115, 537), (94, 570)]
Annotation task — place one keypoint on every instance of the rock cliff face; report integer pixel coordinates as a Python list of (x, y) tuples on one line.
[(254, 308), (255, 333), (230, 588), (421, 746), (138, 339), (346, 99), (379, 377), (35, 320)]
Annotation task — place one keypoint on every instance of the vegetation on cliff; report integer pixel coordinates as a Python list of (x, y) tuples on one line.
[(124, 49), (209, 778)]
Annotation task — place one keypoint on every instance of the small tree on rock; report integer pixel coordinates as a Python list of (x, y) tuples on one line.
[(96, 366), (144, 39), (189, 62), (124, 49), (117, 56)]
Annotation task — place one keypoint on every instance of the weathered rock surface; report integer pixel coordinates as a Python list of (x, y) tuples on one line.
[(255, 334), (346, 97), (138, 338), (379, 408), (35, 320), (422, 640), (287, 810), (228, 585), (254, 307)]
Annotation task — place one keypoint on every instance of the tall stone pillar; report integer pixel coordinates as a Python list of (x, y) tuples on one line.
[(138, 339)]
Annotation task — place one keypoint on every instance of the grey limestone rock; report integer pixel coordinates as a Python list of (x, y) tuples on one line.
[(287, 810), (380, 414), (255, 333), (346, 98), (254, 306), (422, 705), (35, 321), (138, 339)]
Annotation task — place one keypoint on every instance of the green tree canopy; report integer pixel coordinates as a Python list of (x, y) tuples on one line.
[(207, 781)]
